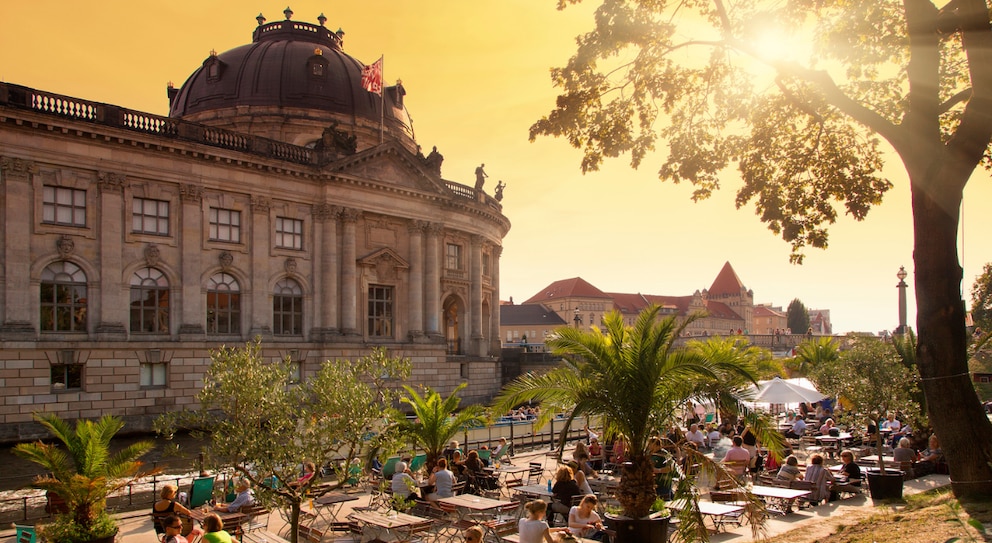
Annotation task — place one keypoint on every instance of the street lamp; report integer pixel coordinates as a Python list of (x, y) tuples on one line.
[(901, 274), (578, 319)]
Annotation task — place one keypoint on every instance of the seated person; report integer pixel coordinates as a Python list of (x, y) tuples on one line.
[(696, 436), (850, 473), (931, 460), (450, 451), (827, 426), (583, 521), (595, 454), (738, 457), (403, 484), (501, 450), (713, 435), (442, 480), (214, 528), (245, 498), (798, 429), (309, 469), (790, 471), (173, 530), (473, 463), (457, 464), (166, 506), (564, 489), (821, 478), (904, 452), (580, 477)]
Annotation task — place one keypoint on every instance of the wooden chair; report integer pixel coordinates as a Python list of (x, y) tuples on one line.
[(721, 521), (458, 488), (257, 518)]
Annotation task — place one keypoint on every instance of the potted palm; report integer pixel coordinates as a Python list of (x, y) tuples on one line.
[(636, 381), (435, 422), (82, 472), (875, 381)]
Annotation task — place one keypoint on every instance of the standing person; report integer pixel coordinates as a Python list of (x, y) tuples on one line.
[(214, 528), (533, 528)]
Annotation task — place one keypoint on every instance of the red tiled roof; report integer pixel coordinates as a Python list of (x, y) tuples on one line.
[(575, 287), (726, 282), (628, 303), (764, 311)]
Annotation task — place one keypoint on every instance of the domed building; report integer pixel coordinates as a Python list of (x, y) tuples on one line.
[(280, 198)]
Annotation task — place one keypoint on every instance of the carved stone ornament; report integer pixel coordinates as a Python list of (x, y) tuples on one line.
[(152, 254), (350, 215), (226, 259), (290, 265), (435, 229), (417, 227), (111, 182), (17, 165), (385, 268), (260, 204), (65, 245), (325, 212), (189, 192)]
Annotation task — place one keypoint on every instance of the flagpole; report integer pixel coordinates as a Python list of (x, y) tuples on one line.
[(382, 96)]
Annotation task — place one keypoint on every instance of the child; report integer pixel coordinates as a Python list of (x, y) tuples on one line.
[(534, 529)]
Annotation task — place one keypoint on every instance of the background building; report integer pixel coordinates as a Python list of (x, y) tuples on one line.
[(279, 199)]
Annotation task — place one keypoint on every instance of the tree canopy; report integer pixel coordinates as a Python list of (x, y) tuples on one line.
[(797, 317), (808, 123), (981, 299)]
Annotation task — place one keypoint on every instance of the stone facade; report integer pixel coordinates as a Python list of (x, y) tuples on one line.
[(133, 244)]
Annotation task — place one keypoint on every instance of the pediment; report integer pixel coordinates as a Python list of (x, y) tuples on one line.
[(383, 264), (390, 165)]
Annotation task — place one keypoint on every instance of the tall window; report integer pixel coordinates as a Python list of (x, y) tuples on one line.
[(150, 216), (380, 311), (453, 257), (223, 305), (289, 233), (61, 205), (63, 298), (287, 309), (149, 301), (225, 225), (486, 265)]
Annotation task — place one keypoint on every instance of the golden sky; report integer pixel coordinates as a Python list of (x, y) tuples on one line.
[(476, 75)]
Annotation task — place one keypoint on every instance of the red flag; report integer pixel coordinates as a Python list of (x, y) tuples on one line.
[(372, 77)]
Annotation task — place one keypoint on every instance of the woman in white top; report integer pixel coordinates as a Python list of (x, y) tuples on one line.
[(583, 520), (442, 479), (533, 528)]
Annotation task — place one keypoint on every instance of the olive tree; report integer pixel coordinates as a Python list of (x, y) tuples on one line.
[(808, 132), (263, 424)]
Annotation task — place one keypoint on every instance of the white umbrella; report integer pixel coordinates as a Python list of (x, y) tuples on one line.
[(779, 391)]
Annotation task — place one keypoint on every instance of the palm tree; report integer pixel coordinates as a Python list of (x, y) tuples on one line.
[(83, 472), (810, 354), (635, 380), (435, 422)]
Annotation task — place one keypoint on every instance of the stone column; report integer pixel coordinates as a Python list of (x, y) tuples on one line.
[(495, 336), (433, 269), (113, 309), (415, 301), (17, 311), (326, 247), (191, 241), (261, 299), (475, 297), (349, 272)]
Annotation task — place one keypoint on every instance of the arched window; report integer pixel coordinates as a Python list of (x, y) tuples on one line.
[(149, 302), (287, 308), (223, 304), (63, 298)]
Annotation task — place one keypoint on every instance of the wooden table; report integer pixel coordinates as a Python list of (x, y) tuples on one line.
[(784, 497), (719, 512), (467, 504), (873, 459), (390, 526), (535, 491), (515, 538), (229, 519), (329, 505), (262, 536)]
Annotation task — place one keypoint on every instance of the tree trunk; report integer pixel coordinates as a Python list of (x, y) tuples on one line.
[(294, 522), (955, 411)]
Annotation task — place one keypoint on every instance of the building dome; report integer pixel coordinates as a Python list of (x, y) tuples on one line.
[(293, 71)]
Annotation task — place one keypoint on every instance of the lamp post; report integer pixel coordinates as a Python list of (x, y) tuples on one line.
[(901, 274), (578, 319)]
